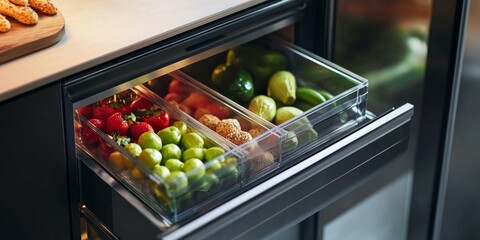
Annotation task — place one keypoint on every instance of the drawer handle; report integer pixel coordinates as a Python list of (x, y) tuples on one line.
[(205, 43)]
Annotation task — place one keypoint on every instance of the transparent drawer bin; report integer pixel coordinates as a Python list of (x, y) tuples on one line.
[(259, 140), (320, 119), (139, 162)]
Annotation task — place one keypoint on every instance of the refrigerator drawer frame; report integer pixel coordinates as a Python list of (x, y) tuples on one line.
[(291, 195)]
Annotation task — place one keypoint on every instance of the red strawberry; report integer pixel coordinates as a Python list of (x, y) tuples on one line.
[(140, 103), (158, 120), (85, 111), (138, 128), (109, 110), (105, 149), (125, 109), (118, 123), (97, 113), (88, 135), (98, 123)]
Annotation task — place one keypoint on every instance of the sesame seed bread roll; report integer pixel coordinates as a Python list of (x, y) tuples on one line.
[(25, 15), (4, 24), (20, 2), (44, 6)]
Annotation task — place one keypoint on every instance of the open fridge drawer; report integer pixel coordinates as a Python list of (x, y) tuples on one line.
[(288, 197), (184, 148)]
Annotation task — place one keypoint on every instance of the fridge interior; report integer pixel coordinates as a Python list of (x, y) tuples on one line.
[(225, 163)]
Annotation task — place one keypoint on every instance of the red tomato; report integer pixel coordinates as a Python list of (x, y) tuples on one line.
[(196, 100), (219, 110), (176, 86), (177, 97)]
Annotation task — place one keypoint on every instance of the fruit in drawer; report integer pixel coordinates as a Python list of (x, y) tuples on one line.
[(230, 167), (161, 171), (174, 164), (263, 106), (150, 140), (85, 111), (119, 161), (260, 62), (133, 148), (182, 127), (177, 182), (234, 82), (176, 86), (310, 96), (88, 135), (196, 100), (193, 169), (170, 135), (118, 122), (182, 107), (170, 151), (177, 97), (213, 166), (137, 173), (192, 140), (158, 119), (282, 87), (140, 104), (209, 180), (241, 89), (218, 110), (136, 129), (105, 110), (150, 157), (327, 95), (193, 152), (212, 153), (286, 113)]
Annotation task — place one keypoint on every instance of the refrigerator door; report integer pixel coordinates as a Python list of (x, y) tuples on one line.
[(288, 198)]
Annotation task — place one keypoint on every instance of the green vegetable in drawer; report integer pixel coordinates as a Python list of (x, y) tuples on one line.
[(304, 106), (282, 87), (286, 113), (310, 96), (233, 81), (260, 62), (264, 107), (325, 94)]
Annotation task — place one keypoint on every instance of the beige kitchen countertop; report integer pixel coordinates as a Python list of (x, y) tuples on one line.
[(98, 31)]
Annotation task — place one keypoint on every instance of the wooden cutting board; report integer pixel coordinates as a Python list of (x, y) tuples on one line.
[(23, 39)]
